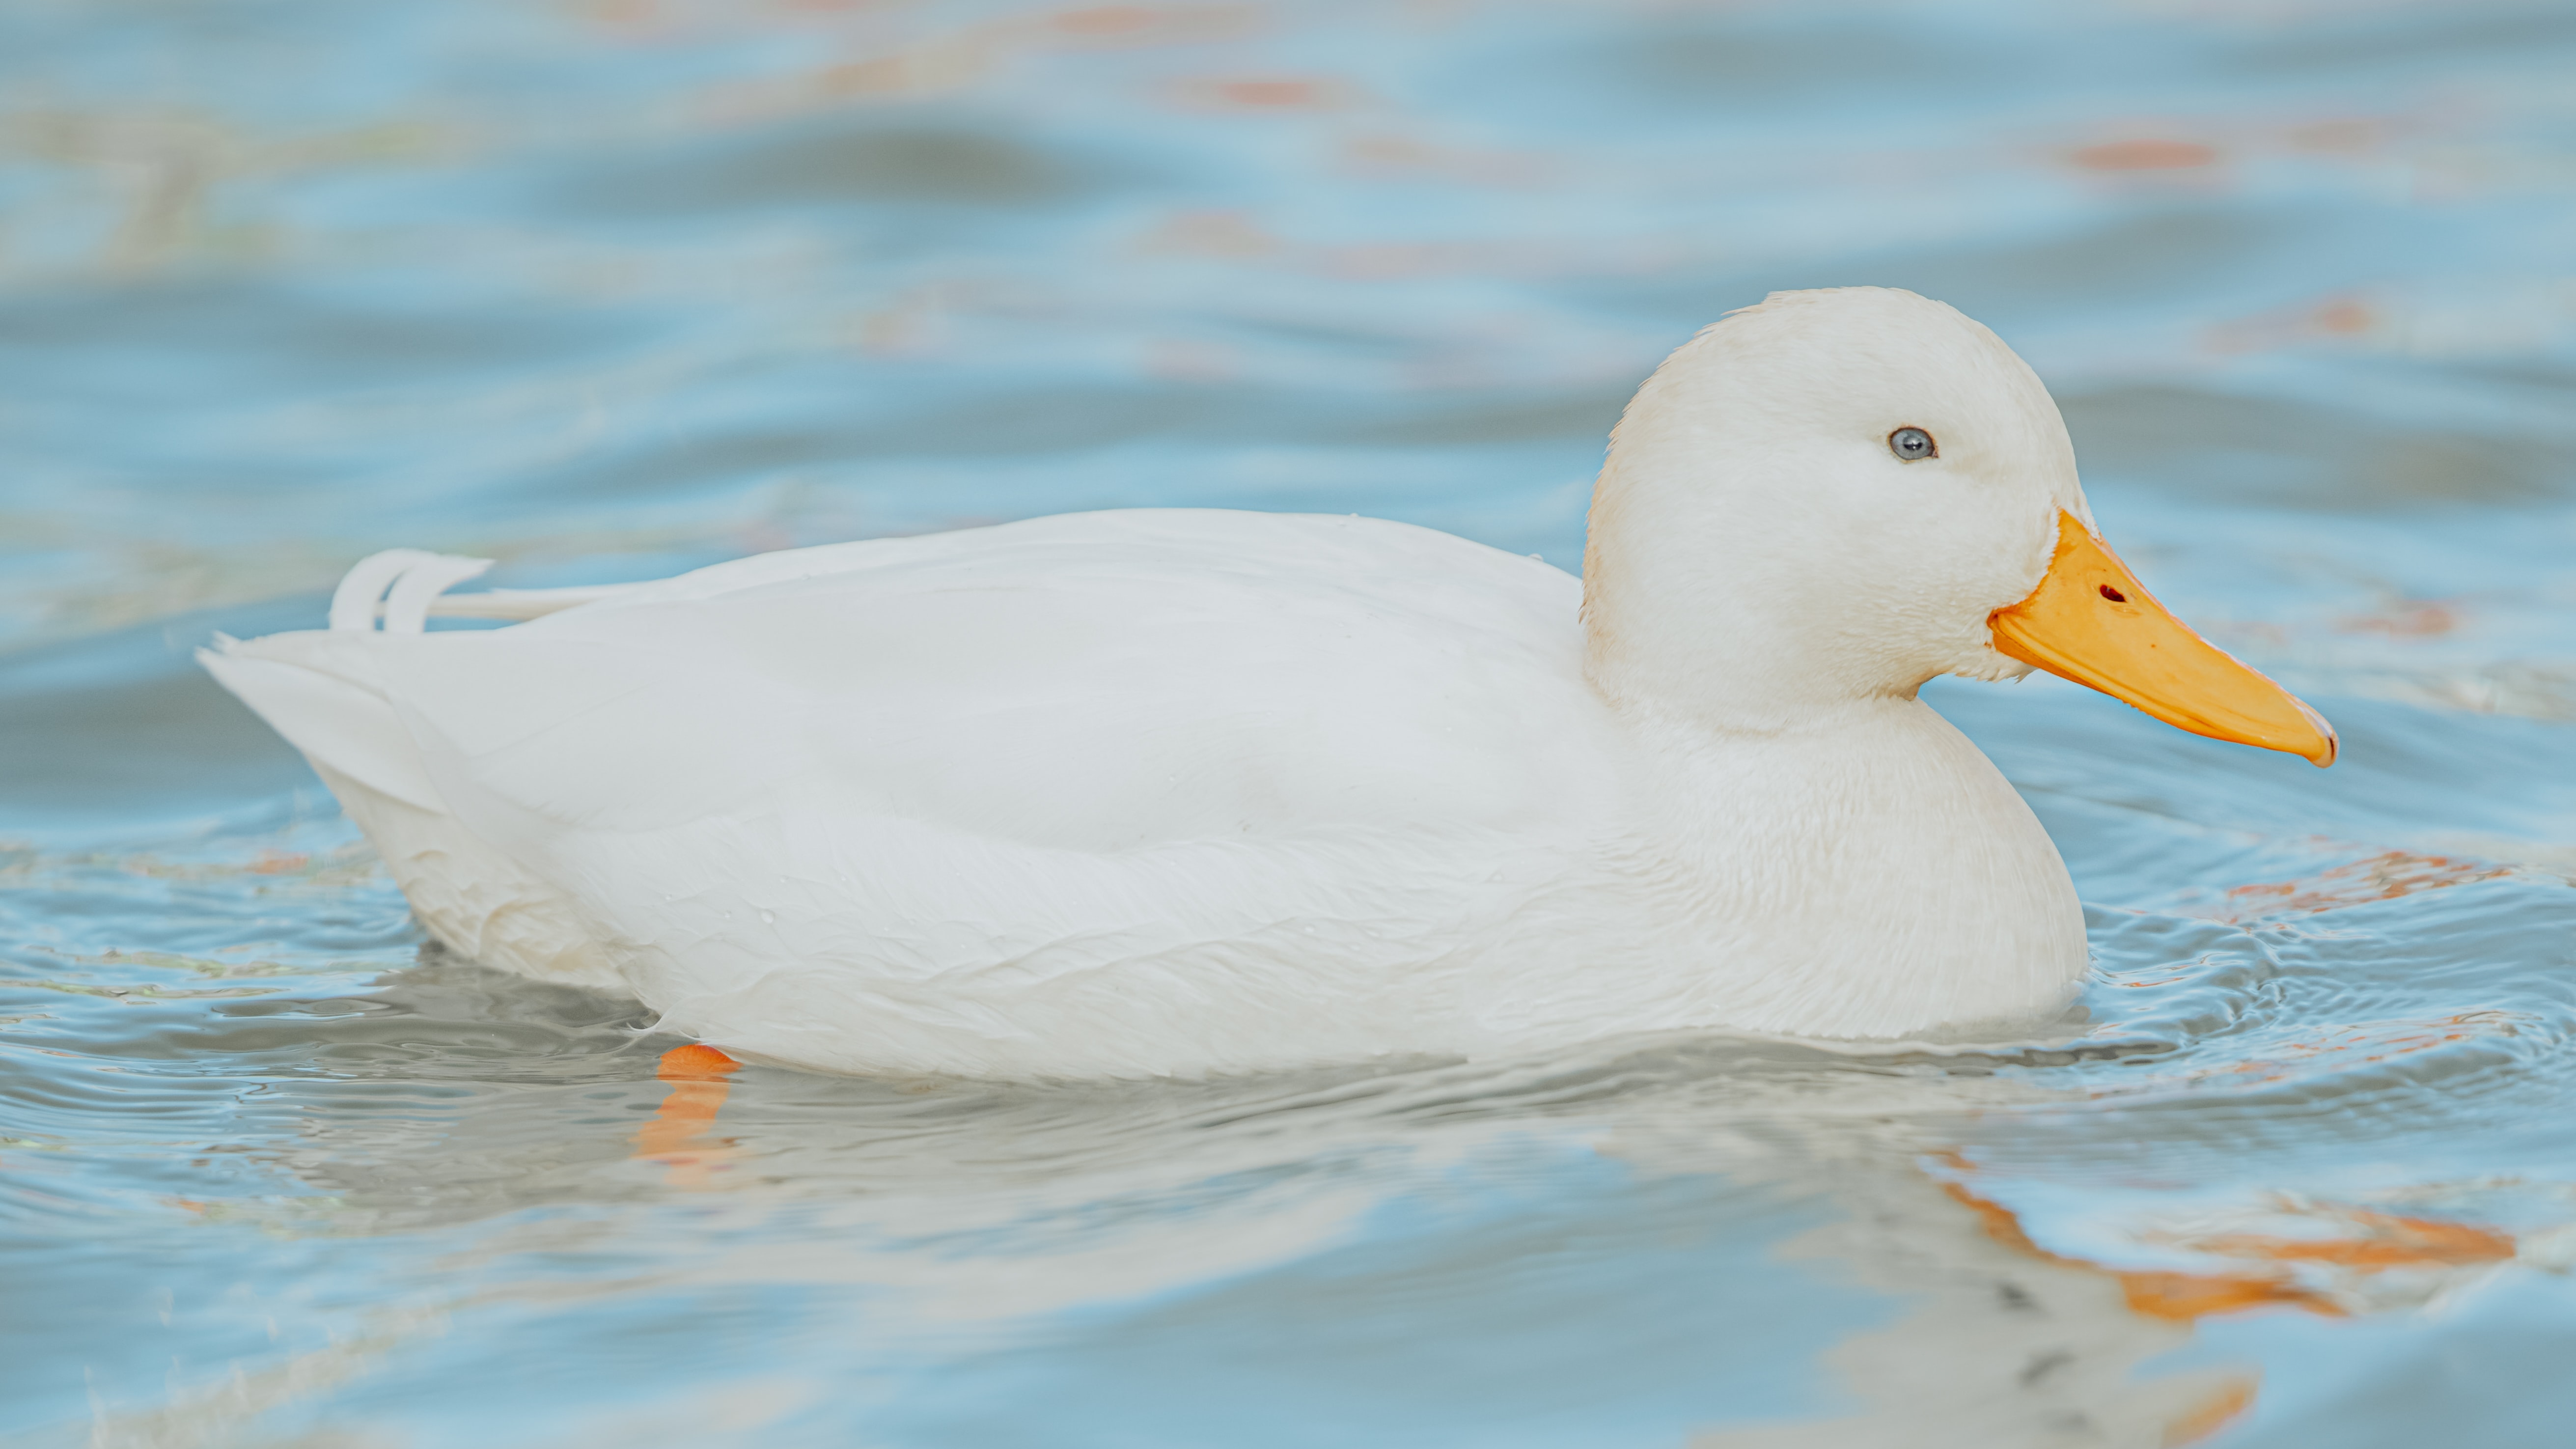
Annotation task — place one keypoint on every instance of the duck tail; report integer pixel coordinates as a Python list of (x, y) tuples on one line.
[(401, 589), (322, 689), (400, 584)]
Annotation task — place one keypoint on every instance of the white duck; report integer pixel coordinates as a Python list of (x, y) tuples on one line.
[(1181, 791)]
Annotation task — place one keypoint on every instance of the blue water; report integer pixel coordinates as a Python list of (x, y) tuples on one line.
[(615, 288)]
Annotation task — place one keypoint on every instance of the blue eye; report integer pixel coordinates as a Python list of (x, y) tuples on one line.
[(1911, 444)]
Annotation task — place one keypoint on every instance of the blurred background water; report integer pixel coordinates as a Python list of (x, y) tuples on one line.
[(611, 288)]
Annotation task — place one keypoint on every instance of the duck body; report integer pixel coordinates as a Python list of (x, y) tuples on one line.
[(1158, 792), (1165, 792)]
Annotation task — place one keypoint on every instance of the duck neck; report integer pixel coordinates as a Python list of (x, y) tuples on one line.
[(1722, 617)]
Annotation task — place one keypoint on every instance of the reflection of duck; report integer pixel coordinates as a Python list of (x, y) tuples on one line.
[(1671, 1220), (2011, 1342), (1997, 1338), (1187, 791)]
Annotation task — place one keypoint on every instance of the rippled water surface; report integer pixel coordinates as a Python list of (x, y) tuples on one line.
[(612, 288)]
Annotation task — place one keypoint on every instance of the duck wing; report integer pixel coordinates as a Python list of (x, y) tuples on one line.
[(942, 779)]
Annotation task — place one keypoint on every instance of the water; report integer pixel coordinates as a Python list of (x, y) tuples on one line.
[(610, 289)]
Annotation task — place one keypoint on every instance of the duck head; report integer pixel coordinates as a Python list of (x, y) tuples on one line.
[(1834, 496)]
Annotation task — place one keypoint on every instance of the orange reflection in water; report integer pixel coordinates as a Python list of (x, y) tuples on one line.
[(2407, 619), (2340, 316), (2375, 1242), (1265, 93), (2365, 1242), (2213, 1413), (2382, 877), (677, 1136), (2144, 154), (2173, 1297), (2361, 1242)]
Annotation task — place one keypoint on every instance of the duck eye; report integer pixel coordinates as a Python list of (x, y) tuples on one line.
[(1912, 443)]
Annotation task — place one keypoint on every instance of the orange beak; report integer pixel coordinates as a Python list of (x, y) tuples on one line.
[(2091, 621)]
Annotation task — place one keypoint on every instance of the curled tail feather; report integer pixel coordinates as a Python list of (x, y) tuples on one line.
[(407, 587)]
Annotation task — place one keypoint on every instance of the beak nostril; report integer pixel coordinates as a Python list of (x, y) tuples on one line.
[(2114, 595)]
